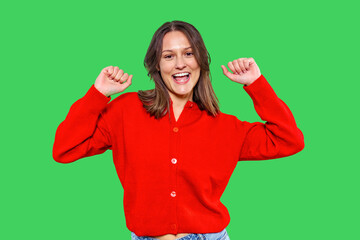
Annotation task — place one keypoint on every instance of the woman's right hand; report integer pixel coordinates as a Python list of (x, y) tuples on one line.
[(111, 81)]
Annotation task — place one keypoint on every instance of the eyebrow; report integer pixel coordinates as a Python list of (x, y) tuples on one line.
[(171, 50)]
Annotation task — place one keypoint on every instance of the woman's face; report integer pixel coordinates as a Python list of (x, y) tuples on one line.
[(177, 57)]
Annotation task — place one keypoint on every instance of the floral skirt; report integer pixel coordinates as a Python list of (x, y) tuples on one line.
[(193, 236)]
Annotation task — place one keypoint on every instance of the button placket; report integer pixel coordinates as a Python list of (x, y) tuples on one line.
[(173, 226), (174, 151), (173, 161)]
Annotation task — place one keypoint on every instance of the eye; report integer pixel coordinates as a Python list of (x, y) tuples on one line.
[(189, 54), (168, 56)]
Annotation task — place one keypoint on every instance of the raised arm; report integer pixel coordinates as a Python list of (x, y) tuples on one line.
[(85, 131), (279, 136)]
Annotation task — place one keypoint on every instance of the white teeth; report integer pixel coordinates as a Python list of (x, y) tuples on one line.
[(180, 74)]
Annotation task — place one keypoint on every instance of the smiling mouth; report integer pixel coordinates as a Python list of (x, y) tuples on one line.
[(181, 79)]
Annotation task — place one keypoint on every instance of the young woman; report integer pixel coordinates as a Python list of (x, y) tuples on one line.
[(173, 149)]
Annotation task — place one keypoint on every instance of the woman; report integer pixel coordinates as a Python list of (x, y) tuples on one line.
[(174, 169)]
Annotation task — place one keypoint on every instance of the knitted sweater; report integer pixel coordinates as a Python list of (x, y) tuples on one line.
[(175, 172)]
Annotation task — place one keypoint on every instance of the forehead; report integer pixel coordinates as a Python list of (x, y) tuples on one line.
[(175, 40)]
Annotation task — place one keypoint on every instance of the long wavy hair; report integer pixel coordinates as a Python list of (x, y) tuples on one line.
[(157, 101)]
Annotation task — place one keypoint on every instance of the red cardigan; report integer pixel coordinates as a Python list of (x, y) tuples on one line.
[(174, 172)]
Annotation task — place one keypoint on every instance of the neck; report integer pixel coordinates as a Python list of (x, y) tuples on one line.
[(180, 100)]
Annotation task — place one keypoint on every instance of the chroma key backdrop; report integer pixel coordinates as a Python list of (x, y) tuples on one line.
[(52, 52)]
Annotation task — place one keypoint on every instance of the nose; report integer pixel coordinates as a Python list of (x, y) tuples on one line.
[(180, 63)]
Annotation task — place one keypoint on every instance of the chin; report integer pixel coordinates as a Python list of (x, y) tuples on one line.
[(181, 93)]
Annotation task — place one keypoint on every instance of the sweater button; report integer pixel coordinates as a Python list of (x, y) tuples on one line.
[(173, 194), (174, 160), (175, 129), (173, 226)]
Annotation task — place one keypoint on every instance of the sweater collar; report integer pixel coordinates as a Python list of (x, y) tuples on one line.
[(189, 104)]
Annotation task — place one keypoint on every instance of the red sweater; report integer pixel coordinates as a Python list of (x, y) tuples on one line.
[(174, 172)]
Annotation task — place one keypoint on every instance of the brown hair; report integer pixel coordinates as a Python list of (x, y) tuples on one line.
[(157, 101)]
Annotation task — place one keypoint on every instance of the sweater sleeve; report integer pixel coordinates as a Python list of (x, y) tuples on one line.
[(279, 136), (84, 132)]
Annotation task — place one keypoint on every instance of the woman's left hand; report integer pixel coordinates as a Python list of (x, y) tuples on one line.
[(245, 71)]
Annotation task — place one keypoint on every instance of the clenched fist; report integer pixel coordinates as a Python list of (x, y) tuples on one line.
[(112, 80), (245, 71)]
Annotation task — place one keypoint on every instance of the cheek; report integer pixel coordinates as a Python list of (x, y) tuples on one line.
[(165, 67), (194, 65), (197, 76), (196, 68)]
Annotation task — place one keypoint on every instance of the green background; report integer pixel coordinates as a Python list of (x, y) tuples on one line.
[(52, 52)]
